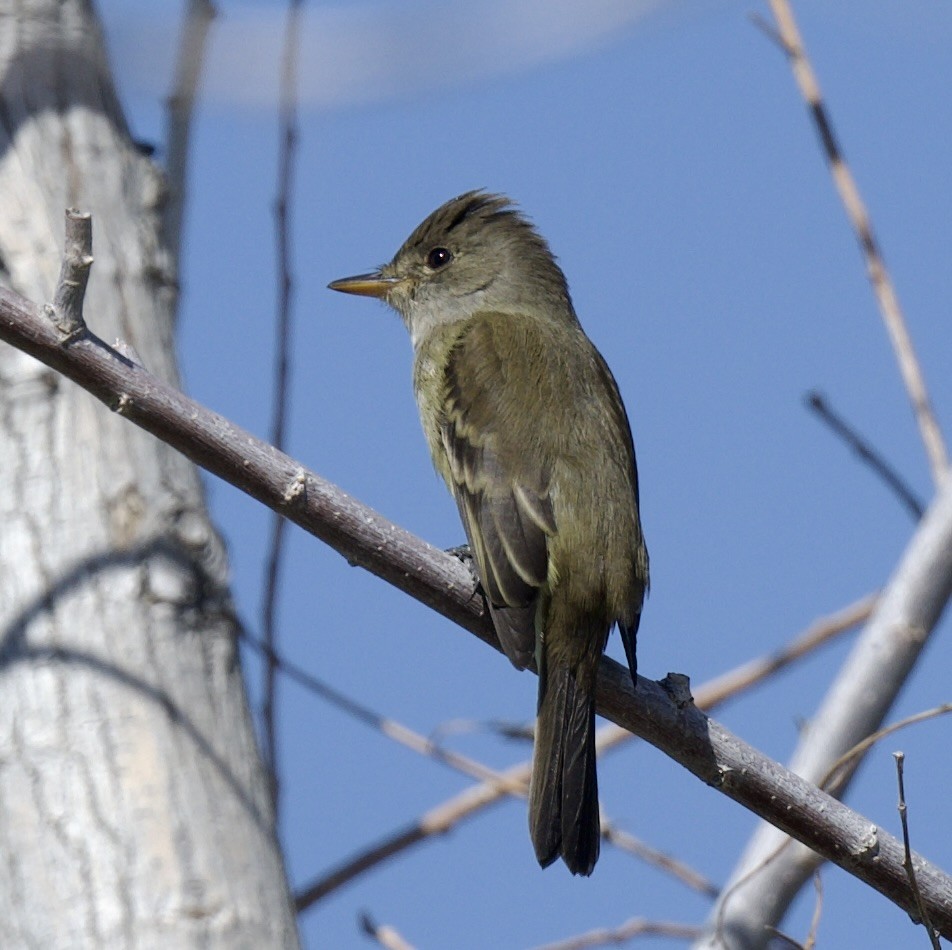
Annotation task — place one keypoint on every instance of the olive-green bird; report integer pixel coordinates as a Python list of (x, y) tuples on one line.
[(526, 425)]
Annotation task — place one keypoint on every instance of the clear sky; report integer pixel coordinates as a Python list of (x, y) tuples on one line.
[(664, 152)]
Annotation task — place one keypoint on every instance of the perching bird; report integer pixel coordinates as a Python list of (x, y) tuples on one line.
[(526, 425)]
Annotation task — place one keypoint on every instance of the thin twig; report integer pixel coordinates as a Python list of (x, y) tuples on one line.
[(392, 729), (821, 631), (179, 107), (282, 371), (886, 296), (831, 781), (627, 842), (900, 758), (636, 927), (810, 942), (866, 452), (473, 800), (66, 311), (387, 936)]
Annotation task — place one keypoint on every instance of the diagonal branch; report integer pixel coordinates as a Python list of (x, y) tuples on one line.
[(884, 654), (658, 712), (475, 799), (817, 402), (788, 35)]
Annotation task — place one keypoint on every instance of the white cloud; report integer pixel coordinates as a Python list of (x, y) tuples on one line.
[(365, 52)]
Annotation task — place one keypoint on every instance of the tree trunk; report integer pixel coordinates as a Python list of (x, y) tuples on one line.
[(133, 805)]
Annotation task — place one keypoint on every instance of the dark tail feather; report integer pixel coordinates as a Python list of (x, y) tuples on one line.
[(629, 637), (563, 793)]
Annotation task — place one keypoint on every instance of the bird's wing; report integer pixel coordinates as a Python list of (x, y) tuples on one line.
[(501, 488)]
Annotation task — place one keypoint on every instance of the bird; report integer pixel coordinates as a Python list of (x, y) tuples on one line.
[(526, 425)]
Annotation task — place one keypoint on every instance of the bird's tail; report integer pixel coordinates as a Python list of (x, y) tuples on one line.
[(563, 792)]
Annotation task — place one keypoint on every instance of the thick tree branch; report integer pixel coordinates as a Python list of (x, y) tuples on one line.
[(660, 713)]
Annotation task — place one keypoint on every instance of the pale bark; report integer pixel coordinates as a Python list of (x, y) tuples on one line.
[(133, 806), (766, 879)]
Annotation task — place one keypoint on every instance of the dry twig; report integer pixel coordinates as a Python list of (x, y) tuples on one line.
[(907, 859), (810, 942), (629, 930), (66, 311), (832, 781), (390, 728), (866, 452), (282, 372), (788, 35)]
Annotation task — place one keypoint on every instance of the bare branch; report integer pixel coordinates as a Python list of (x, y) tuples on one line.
[(181, 102), (439, 580), (866, 452), (629, 930), (789, 36), (473, 800), (907, 859), (899, 628)]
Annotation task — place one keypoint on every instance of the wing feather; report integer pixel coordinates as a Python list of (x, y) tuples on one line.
[(502, 498)]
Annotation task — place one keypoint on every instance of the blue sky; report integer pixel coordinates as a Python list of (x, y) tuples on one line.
[(663, 150)]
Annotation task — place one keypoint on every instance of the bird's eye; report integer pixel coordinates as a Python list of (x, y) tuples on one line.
[(438, 257)]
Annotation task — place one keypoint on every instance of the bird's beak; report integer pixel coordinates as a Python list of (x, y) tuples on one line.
[(366, 285)]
